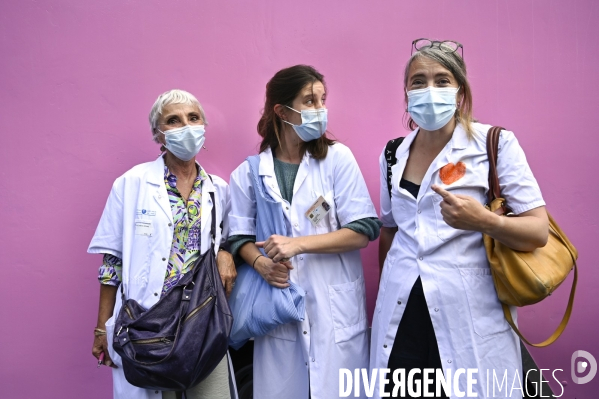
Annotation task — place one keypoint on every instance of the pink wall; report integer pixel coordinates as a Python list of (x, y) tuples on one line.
[(77, 80)]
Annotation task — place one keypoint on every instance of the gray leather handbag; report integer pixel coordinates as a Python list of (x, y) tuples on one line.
[(180, 340)]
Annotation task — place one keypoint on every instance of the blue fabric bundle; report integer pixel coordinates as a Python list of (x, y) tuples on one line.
[(257, 306)]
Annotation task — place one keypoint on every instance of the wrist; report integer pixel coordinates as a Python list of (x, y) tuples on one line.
[(98, 332), (300, 245), (256, 260), (492, 223)]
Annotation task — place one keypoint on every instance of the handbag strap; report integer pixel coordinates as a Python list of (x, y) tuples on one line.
[(492, 150), (494, 193), (562, 325), (213, 225)]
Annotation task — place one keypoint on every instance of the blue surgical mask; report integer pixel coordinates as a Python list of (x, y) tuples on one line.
[(433, 107), (314, 123), (185, 142)]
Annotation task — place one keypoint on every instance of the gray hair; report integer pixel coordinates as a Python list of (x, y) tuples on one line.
[(452, 61), (174, 96)]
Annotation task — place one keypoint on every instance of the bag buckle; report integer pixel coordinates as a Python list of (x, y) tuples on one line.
[(187, 292)]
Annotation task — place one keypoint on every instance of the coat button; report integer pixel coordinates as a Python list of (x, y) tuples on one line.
[(436, 309), (155, 294), (170, 224), (419, 211), (384, 346), (313, 359), (449, 361), (163, 259), (287, 207), (399, 302), (301, 258), (421, 258), (295, 225), (305, 332)]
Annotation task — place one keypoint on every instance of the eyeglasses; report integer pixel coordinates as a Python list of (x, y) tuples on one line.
[(447, 46)]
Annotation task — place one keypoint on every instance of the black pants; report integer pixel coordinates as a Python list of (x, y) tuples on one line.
[(415, 345)]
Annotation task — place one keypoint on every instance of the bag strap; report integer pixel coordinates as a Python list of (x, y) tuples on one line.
[(562, 325), (390, 150), (495, 192), (213, 225), (492, 150)]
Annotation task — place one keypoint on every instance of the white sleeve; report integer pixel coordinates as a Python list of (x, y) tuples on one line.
[(518, 185), (386, 209), (352, 199), (242, 217), (108, 238)]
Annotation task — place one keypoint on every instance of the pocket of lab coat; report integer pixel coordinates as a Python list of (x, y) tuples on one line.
[(329, 222), (288, 332), (348, 309), (485, 308), (444, 231)]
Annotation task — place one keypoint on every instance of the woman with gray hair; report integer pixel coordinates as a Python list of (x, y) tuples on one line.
[(437, 308), (155, 225)]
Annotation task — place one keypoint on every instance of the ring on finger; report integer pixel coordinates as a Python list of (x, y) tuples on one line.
[(284, 260)]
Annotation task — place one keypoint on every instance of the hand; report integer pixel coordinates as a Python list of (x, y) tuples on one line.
[(226, 269), (463, 212), (275, 273), (101, 345), (280, 248)]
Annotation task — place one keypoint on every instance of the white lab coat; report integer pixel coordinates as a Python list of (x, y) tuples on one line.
[(140, 195), (296, 358), (466, 315)]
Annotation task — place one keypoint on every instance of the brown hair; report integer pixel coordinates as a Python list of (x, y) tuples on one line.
[(453, 62), (282, 89)]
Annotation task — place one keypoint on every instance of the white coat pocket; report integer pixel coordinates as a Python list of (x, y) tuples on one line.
[(348, 309), (485, 309), (288, 332), (444, 231), (328, 223)]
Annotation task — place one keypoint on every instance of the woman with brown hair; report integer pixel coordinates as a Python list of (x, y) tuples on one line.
[(329, 216)]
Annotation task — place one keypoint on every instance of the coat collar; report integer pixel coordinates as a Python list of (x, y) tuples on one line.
[(156, 175), (267, 169), (267, 166), (458, 141)]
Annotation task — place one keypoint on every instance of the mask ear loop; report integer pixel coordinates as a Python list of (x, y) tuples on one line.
[(162, 147), (289, 123)]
